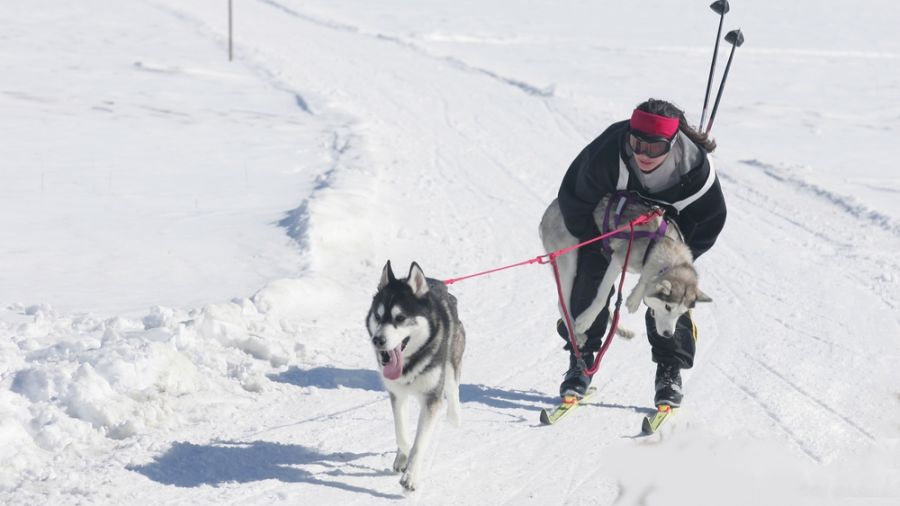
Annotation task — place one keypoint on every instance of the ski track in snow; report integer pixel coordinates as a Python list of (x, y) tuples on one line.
[(202, 29), (542, 92), (791, 227), (769, 411), (295, 221), (847, 204), (846, 419), (857, 239)]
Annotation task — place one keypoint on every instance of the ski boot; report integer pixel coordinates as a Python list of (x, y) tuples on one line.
[(576, 381), (668, 385)]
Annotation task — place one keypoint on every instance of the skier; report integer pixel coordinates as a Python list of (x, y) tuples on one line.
[(668, 163)]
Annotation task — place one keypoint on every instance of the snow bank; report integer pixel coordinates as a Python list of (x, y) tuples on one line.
[(75, 382)]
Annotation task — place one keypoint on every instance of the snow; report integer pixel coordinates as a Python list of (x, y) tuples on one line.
[(191, 244)]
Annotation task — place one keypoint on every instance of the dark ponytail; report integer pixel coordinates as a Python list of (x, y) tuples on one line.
[(669, 110)]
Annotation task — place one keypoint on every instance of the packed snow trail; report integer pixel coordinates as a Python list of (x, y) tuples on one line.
[(447, 156)]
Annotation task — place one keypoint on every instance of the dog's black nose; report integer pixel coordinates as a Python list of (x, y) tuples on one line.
[(378, 340)]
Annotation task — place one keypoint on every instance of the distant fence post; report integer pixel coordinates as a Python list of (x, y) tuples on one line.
[(230, 31)]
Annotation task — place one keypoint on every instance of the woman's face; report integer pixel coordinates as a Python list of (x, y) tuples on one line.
[(649, 153), (648, 164)]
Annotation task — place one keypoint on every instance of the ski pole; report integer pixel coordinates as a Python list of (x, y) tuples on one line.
[(720, 7), (736, 38)]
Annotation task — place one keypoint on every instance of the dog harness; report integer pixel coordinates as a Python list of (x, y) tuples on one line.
[(619, 200)]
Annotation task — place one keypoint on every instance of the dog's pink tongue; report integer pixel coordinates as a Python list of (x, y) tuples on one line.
[(394, 368)]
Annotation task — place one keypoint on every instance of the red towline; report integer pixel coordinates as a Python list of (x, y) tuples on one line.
[(550, 258)]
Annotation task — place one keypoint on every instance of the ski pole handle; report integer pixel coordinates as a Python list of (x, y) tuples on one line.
[(736, 38), (720, 7)]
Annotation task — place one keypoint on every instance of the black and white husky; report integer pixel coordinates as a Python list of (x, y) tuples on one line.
[(419, 343), (668, 282)]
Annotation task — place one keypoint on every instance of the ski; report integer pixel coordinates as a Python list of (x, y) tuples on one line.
[(568, 404), (652, 423)]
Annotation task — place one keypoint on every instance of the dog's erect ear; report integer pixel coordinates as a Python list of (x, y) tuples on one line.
[(664, 288), (416, 280), (387, 275), (702, 297)]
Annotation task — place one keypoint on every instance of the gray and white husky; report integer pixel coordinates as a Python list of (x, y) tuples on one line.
[(419, 343), (668, 282)]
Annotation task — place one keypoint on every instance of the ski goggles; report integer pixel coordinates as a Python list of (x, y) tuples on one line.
[(650, 146)]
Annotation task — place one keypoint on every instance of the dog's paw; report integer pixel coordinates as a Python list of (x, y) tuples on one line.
[(408, 480), (582, 325), (455, 417), (633, 303), (626, 333), (580, 340), (400, 461)]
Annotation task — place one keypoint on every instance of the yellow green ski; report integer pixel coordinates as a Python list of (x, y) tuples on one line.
[(652, 423), (568, 404)]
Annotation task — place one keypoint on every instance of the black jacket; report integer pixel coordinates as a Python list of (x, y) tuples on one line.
[(696, 203)]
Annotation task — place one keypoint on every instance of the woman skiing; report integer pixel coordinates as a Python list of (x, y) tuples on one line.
[(659, 157)]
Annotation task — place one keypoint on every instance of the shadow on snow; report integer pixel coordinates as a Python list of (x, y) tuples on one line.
[(331, 378), (364, 379), (190, 465)]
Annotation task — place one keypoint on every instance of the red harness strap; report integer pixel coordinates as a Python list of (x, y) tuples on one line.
[(590, 371)]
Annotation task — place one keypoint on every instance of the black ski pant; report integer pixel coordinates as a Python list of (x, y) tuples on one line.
[(592, 263)]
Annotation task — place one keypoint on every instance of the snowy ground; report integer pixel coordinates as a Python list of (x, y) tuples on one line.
[(190, 246)]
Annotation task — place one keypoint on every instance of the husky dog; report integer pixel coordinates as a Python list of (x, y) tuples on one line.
[(419, 343), (668, 280)]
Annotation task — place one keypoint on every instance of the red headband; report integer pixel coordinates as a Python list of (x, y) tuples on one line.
[(654, 124)]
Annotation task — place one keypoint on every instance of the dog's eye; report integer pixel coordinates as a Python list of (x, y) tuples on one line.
[(376, 318), (668, 307), (399, 318)]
